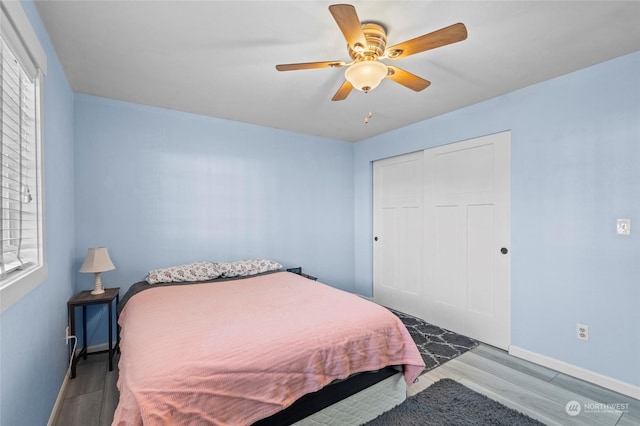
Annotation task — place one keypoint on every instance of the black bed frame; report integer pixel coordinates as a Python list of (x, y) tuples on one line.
[(329, 395)]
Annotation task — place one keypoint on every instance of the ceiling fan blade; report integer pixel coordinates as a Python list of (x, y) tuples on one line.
[(347, 19), (407, 79), (451, 34), (343, 91), (310, 65)]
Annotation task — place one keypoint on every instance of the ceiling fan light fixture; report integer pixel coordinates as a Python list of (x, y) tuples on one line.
[(367, 44), (366, 75)]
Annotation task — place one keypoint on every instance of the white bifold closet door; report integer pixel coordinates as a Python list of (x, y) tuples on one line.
[(442, 236)]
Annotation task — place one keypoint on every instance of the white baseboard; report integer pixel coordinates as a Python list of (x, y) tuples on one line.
[(578, 372), (101, 347), (61, 395)]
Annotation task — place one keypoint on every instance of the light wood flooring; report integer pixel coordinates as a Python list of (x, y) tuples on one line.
[(91, 398), (536, 391)]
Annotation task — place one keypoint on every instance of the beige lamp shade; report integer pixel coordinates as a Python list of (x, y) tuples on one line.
[(97, 261)]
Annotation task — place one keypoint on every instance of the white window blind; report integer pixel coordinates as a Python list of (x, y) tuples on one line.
[(18, 169), (23, 65)]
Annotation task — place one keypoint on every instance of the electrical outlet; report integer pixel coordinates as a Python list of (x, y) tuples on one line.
[(67, 335), (582, 332)]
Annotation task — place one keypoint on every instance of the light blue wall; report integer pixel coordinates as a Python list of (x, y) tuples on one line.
[(575, 169), (160, 187), (32, 346)]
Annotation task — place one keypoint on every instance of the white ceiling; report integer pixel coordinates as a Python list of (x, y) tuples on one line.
[(218, 58)]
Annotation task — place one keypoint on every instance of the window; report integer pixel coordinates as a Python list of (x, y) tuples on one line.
[(22, 64)]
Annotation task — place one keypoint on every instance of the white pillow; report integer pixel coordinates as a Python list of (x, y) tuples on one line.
[(190, 272), (243, 268)]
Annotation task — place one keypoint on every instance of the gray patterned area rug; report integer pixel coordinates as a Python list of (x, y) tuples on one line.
[(448, 403), (436, 344)]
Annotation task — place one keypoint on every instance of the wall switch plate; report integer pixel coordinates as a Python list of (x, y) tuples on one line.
[(623, 226), (582, 332)]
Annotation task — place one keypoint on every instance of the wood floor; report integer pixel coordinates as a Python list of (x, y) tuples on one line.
[(537, 391), (91, 398)]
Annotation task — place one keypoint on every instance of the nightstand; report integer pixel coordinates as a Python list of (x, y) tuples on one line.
[(298, 271), (84, 299)]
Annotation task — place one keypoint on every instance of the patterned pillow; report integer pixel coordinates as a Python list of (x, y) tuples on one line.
[(243, 268), (190, 272)]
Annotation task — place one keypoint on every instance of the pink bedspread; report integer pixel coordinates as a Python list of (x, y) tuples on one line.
[(233, 352)]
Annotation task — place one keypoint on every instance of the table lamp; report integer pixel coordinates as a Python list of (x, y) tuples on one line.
[(97, 261)]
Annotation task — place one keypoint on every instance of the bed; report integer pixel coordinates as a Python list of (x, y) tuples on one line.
[(245, 351)]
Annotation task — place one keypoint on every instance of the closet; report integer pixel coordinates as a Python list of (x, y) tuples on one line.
[(441, 227)]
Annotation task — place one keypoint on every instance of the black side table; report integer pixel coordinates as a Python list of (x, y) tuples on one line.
[(298, 271), (85, 298)]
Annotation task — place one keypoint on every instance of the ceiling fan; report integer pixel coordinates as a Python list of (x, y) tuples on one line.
[(367, 44)]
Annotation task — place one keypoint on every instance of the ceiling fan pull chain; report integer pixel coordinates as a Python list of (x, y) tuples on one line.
[(370, 114)]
